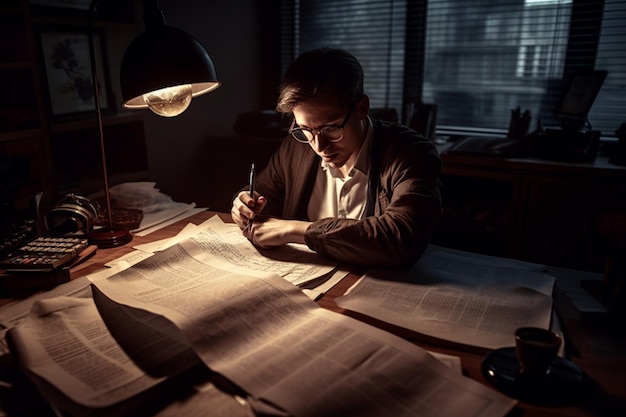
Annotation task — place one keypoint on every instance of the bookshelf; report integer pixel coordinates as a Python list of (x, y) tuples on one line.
[(48, 142)]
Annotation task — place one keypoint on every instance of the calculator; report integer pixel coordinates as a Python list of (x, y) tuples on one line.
[(43, 254)]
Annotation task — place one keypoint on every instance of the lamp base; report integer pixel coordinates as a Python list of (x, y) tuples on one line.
[(108, 238)]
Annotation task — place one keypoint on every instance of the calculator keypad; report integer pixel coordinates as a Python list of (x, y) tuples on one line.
[(44, 254)]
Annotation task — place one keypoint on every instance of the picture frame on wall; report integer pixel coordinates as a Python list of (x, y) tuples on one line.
[(110, 10), (67, 72), (67, 4)]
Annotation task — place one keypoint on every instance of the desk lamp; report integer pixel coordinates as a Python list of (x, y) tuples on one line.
[(162, 69)]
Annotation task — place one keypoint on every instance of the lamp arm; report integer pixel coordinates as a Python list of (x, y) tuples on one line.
[(96, 95), (153, 17)]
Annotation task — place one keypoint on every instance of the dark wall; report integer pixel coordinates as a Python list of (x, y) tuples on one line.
[(242, 38)]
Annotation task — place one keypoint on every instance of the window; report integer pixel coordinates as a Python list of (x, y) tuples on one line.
[(476, 59), (484, 58), (372, 30), (609, 110)]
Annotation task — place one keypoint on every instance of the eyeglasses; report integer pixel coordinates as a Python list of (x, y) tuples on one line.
[(332, 133)]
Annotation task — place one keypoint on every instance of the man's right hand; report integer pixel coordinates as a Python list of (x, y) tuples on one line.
[(245, 208)]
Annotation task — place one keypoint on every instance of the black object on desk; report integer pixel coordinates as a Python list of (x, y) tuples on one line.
[(15, 235), (566, 145), (563, 385), (486, 146)]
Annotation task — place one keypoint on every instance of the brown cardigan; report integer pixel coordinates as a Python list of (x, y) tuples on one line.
[(403, 204)]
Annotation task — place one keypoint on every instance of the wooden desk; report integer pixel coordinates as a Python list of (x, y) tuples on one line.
[(597, 350), (541, 211)]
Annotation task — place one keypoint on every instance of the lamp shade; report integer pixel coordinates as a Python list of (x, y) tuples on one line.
[(165, 57)]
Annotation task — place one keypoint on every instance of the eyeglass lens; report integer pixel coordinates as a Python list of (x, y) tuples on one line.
[(332, 133)]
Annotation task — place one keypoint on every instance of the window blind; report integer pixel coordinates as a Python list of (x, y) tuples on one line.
[(476, 59), (609, 109), (485, 58), (372, 30)]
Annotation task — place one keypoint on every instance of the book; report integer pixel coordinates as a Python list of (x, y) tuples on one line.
[(177, 312)]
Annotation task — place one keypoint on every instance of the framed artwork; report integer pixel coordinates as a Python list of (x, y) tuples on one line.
[(68, 4), (67, 71), (110, 10)]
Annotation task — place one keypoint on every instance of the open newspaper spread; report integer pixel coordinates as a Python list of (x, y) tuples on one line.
[(268, 338), (182, 309), (456, 296)]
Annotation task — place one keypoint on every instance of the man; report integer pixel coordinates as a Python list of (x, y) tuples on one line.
[(364, 193)]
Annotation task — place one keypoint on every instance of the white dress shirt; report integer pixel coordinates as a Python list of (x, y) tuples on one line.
[(336, 196)]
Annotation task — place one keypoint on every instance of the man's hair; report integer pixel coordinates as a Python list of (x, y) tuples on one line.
[(320, 73)]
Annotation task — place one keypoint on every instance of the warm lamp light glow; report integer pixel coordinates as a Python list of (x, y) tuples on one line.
[(166, 94), (166, 86), (170, 101)]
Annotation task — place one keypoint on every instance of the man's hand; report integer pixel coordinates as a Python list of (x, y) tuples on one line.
[(267, 232), (245, 208)]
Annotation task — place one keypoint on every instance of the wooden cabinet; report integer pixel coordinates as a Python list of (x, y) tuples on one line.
[(554, 213), (42, 148)]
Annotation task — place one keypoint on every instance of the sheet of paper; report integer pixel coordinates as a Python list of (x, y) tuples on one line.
[(162, 244), (569, 281), (188, 212), (267, 337), (11, 314), (317, 291), (456, 296), (454, 362), (64, 341), (156, 217), (224, 246)]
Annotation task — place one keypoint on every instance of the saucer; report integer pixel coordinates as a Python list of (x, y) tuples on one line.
[(561, 386)]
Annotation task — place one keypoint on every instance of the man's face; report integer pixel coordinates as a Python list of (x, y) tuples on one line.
[(315, 113)]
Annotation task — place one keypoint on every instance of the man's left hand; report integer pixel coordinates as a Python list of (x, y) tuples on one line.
[(268, 232)]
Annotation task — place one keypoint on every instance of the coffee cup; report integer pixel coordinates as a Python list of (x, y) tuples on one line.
[(536, 349)]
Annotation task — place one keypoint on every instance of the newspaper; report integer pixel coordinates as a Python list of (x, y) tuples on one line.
[(268, 338), (458, 296), (175, 310)]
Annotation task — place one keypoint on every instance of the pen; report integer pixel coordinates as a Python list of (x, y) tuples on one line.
[(252, 175), (251, 190)]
